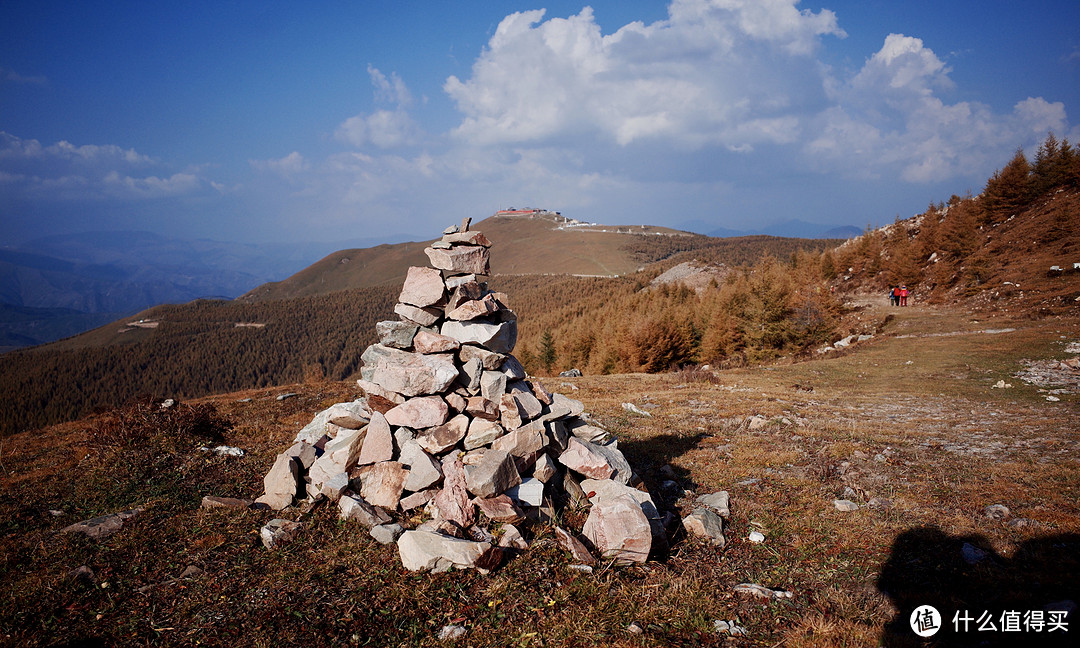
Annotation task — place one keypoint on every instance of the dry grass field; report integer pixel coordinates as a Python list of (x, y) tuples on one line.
[(908, 425)]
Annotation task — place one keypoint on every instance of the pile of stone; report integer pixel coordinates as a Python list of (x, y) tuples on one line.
[(453, 440)]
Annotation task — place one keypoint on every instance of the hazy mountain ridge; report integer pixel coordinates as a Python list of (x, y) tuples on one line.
[(96, 277)]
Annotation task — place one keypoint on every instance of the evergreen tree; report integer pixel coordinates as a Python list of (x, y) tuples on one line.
[(1008, 191), (547, 355)]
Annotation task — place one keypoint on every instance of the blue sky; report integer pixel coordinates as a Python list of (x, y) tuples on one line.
[(275, 121)]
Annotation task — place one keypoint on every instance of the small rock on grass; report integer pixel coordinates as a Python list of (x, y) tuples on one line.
[(451, 632), (761, 591), (845, 505), (386, 533), (729, 627), (279, 532), (996, 511), (757, 537)]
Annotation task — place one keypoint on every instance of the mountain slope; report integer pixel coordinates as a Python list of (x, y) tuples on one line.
[(544, 244)]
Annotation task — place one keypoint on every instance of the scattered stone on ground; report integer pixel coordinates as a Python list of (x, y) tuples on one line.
[(845, 505), (278, 532), (729, 628), (451, 632), (634, 409), (757, 537), (102, 526), (996, 511), (760, 591)]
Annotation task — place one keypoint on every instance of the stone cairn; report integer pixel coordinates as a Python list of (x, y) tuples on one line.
[(451, 430)]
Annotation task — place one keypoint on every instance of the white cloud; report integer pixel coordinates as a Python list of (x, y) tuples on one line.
[(289, 166), (890, 119), (385, 129), (726, 72), (65, 171)]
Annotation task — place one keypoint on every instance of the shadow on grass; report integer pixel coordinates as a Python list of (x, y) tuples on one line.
[(973, 589), (649, 455)]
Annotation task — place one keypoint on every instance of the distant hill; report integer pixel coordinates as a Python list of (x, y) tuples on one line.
[(545, 243), (78, 282), (793, 228)]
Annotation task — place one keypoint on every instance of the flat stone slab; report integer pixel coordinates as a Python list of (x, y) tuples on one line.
[(407, 373), (427, 551), (419, 413), (422, 287), (102, 526), (618, 529)]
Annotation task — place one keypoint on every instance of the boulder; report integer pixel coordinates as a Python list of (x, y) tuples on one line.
[(352, 416), (474, 237), (481, 433), (214, 502), (595, 461), (427, 551), (396, 333), (530, 492), (356, 508), (473, 308), (706, 524), (378, 443), (441, 438), (462, 259), (303, 453), (424, 471), (382, 483), (498, 337), (102, 526), (419, 316), (422, 287), (493, 386), (510, 414), (489, 360), (419, 413), (499, 508), (339, 455), (720, 502), (386, 533), (428, 342), (522, 442), (376, 394), (494, 474), (452, 501), (281, 482), (545, 468), (480, 407), (409, 374), (618, 529), (576, 547)]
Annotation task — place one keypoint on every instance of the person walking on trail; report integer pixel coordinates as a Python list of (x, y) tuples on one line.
[(895, 299), (903, 295)]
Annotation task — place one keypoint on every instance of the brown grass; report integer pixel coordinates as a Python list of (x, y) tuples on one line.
[(930, 436)]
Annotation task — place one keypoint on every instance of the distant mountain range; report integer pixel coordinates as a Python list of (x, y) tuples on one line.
[(57, 286), (791, 229)]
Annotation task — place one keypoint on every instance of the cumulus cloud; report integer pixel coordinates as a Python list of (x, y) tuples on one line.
[(889, 118), (728, 72)]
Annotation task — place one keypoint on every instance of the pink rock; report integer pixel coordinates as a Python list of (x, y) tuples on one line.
[(382, 483), (472, 309), (423, 287), (462, 259), (441, 438), (576, 548), (499, 508), (473, 237), (618, 529), (406, 373), (580, 457), (453, 499), (379, 442), (521, 442), (427, 342), (422, 316), (418, 413)]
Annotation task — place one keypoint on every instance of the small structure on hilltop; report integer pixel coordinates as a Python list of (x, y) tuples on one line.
[(453, 446)]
